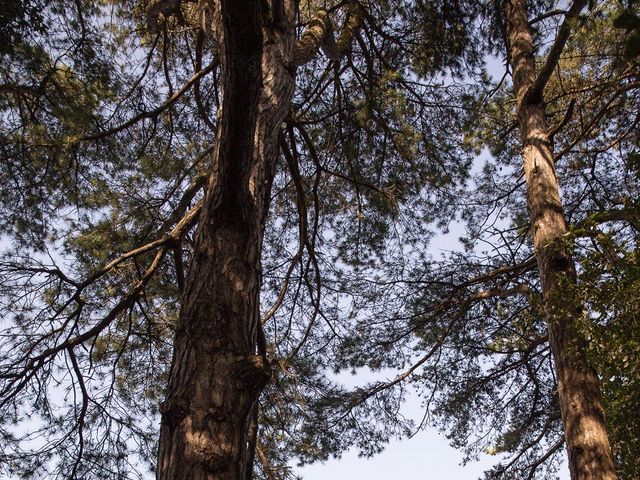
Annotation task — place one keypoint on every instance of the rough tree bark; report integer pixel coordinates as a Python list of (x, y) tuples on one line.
[(218, 369), (586, 438), (217, 373)]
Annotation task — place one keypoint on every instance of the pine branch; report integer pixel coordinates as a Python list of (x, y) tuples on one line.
[(158, 110), (534, 94)]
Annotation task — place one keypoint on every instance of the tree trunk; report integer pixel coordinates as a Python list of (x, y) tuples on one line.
[(583, 421), (217, 374)]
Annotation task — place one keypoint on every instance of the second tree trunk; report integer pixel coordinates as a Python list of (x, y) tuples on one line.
[(589, 452)]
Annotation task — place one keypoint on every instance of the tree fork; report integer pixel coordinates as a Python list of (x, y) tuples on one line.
[(588, 449)]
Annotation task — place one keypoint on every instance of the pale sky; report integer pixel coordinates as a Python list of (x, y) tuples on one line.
[(427, 455)]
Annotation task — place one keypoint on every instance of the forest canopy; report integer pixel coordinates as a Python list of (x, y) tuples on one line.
[(210, 208)]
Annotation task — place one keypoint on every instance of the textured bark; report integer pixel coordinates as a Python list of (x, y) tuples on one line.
[(587, 442), (319, 34), (217, 374)]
